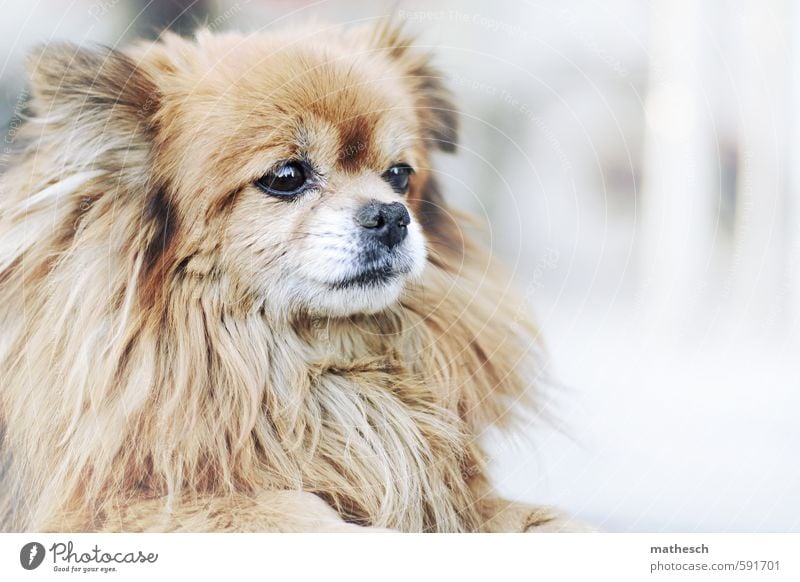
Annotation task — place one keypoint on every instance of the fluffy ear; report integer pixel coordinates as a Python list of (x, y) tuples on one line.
[(90, 86), (437, 112)]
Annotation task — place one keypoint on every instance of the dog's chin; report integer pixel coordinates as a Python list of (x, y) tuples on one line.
[(329, 284), (364, 293)]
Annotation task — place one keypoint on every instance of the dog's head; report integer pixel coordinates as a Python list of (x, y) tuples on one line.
[(293, 168)]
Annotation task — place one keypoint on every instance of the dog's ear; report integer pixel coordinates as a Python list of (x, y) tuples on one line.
[(98, 88), (436, 109)]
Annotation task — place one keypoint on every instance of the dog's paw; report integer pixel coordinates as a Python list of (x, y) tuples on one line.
[(548, 520), (512, 517)]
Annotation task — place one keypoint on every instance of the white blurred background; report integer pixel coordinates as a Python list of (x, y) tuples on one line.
[(636, 164)]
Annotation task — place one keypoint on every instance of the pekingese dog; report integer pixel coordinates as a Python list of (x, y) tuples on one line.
[(232, 297)]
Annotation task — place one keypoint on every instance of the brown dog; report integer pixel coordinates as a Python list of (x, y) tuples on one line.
[(233, 299)]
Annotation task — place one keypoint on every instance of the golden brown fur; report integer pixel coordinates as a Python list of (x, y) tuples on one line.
[(161, 367)]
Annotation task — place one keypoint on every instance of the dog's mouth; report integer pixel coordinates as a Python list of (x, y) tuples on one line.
[(360, 277), (370, 277)]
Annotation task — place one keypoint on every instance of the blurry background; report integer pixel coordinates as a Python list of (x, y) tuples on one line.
[(635, 164)]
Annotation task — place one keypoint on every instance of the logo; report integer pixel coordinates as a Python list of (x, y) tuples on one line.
[(31, 555)]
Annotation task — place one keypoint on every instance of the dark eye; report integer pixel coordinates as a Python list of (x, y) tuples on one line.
[(397, 176), (287, 180)]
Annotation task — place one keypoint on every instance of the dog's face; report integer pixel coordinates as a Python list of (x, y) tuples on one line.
[(309, 152), (318, 149), (294, 168)]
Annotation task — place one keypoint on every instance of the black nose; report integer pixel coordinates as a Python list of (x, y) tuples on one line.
[(386, 222)]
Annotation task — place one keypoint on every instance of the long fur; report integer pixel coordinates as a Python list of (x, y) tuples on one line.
[(142, 379)]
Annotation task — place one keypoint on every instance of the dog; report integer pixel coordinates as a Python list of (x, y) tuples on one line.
[(233, 297)]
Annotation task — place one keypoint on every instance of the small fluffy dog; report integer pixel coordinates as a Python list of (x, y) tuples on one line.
[(232, 297)]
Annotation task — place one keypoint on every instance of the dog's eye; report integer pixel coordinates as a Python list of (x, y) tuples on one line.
[(285, 181), (397, 176)]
